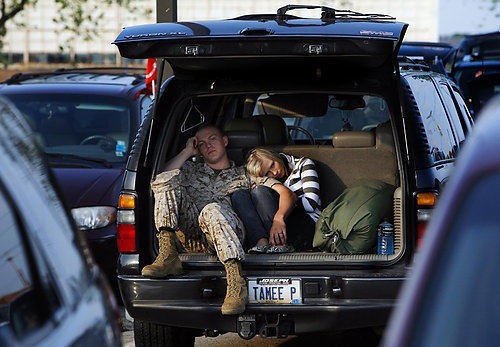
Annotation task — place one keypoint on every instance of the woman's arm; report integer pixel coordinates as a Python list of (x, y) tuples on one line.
[(287, 199), (310, 186)]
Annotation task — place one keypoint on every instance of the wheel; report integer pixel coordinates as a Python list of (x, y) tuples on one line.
[(96, 138), (147, 334), (297, 128)]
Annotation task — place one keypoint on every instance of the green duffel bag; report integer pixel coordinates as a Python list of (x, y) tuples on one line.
[(349, 224)]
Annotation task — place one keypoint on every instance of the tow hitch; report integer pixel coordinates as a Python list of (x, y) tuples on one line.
[(270, 325), (276, 326)]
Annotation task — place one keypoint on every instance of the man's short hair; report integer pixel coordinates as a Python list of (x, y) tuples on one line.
[(210, 126)]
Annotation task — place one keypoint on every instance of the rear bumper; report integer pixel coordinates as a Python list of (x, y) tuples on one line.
[(196, 302)]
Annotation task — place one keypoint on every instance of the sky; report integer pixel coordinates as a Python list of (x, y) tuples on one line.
[(468, 16)]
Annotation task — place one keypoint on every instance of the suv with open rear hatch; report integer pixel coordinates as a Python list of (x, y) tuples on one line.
[(331, 89)]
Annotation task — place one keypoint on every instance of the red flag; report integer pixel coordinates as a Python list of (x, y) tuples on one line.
[(151, 75)]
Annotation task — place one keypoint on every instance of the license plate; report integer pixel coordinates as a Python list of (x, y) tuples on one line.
[(274, 291)]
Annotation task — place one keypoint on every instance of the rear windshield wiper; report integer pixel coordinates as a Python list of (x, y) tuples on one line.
[(103, 162)]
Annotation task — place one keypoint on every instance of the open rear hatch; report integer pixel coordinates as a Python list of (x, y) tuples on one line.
[(339, 37), (247, 41)]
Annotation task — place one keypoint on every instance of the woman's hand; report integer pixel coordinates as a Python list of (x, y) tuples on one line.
[(277, 234)]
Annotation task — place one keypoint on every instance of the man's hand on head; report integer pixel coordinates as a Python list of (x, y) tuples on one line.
[(191, 146)]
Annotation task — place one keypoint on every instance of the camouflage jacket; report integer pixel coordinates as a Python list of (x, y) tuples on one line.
[(204, 184)]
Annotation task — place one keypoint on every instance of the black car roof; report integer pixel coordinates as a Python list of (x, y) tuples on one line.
[(332, 22), (109, 76), (427, 49), (259, 27), (481, 46)]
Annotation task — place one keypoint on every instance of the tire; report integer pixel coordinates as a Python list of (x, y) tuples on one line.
[(147, 334)]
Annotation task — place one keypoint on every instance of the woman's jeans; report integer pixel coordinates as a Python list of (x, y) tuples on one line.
[(256, 209)]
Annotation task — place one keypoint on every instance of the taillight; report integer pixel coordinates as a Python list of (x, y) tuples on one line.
[(425, 204), (421, 227), (125, 220), (126, 238)]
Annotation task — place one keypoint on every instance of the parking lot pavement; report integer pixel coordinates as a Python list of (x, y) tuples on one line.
[(355, 337), (358, 337), (229, 339), (352, 338)]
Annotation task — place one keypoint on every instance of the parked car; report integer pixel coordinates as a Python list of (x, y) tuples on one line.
[(85, 121), (477, 69), (291, 84), (453, 296), (439, 56), (51, 292)]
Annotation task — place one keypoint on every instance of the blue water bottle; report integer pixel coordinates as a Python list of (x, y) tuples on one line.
[(385, 233)]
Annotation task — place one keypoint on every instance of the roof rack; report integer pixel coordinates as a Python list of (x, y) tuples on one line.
[(20, 77), (330, 14), (327, 14), (101, 68)]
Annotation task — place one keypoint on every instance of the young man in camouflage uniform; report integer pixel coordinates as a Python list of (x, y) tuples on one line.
[(193, 206)]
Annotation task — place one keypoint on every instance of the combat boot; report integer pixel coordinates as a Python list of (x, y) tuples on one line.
[(167, 262), (236, 292)]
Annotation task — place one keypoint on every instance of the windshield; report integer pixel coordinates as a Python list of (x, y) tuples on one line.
[(322, 115), (85, 126)]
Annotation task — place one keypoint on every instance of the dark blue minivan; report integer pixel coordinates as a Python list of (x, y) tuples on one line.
[(85, 121), (51, 291)]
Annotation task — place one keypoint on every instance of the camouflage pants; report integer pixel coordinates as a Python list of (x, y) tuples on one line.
[(215, 227)]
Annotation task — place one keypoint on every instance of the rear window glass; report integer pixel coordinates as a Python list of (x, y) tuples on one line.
[(322, 115)]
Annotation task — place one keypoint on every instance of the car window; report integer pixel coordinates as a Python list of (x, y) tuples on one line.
[(461, 304), (453, 112), (466, 116), (20, 305), (322, 115), (437, 127), (96, 127)]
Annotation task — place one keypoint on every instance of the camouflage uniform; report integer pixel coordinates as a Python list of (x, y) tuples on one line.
[(195, 202)]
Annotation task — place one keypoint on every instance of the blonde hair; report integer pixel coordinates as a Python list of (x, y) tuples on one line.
[(257, 156)]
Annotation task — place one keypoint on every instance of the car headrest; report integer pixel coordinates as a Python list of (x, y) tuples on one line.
[(275, 131), (55, 125), (353, 139), (385, 140), (244, 133)]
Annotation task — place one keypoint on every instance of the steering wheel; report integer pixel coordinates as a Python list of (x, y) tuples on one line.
[(291, 128), (96, 138)]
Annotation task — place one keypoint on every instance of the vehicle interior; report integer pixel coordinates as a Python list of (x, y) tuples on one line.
[(348, 135), (73, 125)]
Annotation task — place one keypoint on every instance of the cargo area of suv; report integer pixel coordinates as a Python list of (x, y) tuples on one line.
[(329, 89)]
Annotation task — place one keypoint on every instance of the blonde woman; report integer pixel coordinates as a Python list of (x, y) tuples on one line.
[(280, 213)]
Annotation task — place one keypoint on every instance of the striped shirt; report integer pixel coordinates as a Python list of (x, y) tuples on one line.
[(303, 181)]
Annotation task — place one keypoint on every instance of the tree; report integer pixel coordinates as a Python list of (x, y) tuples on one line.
[(79, 18), (8, 10)]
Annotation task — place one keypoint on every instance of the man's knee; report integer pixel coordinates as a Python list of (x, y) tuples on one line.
[(220, 215), (210, 212)]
